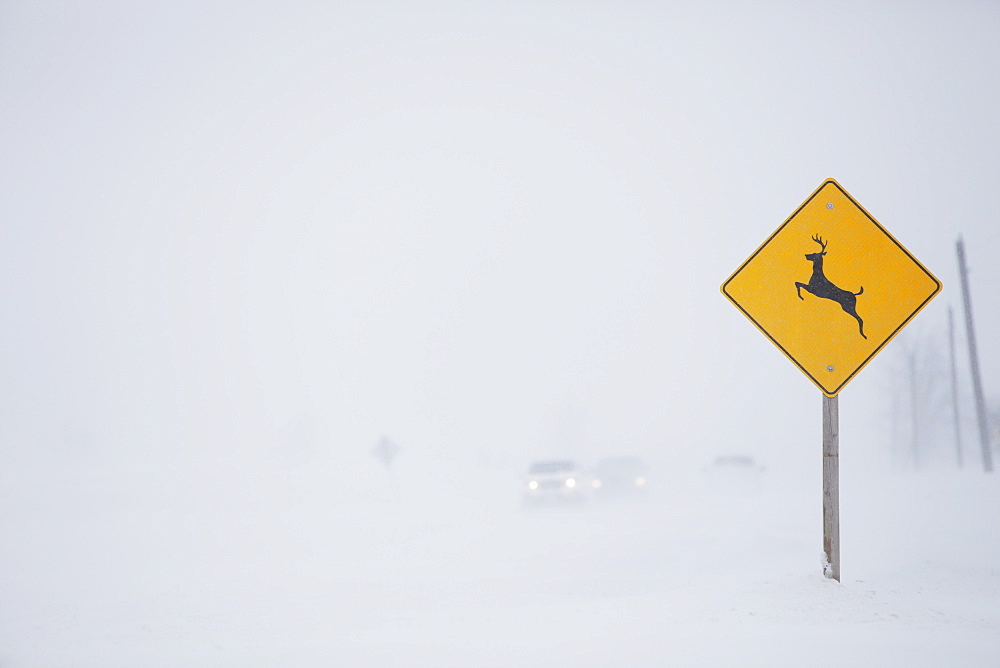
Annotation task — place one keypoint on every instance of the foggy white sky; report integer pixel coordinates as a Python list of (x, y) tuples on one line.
[(467, 226)]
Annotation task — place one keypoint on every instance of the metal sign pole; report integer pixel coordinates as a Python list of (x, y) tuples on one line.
[(831, 487)]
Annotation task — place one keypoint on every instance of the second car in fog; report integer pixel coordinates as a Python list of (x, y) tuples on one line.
[(619, 477)]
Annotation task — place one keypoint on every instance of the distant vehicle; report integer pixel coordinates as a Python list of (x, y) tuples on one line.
[(617, 477), (554, 481), (735, 463)]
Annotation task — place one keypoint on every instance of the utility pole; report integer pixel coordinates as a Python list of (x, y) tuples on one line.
[(954, 386), (977, 383)]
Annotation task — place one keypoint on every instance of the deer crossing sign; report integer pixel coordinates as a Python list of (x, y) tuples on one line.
[(831, 287)]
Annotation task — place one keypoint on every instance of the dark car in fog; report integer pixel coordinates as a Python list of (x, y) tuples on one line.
[(619, 477), (739, 463)]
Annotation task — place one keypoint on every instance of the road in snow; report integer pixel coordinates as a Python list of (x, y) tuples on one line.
[(310, 566)]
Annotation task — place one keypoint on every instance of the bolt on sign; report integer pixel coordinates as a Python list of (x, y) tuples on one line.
[(831, 287)]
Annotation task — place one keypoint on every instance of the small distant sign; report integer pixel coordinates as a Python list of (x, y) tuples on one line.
[(385, 451), (831, 287)]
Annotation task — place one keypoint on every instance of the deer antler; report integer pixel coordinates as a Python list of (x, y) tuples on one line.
[(822, 244)]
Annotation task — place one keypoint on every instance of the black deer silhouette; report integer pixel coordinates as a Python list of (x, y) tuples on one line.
[(821, 286)]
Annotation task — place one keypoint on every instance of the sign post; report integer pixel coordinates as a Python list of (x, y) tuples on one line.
[(830, 288), (831, 488)]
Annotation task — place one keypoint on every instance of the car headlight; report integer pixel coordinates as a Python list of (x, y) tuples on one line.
[(570, 482), (533, 484), (640, 481), (595, 483)]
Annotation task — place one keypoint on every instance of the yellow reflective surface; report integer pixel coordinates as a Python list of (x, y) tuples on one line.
[(816, 332)]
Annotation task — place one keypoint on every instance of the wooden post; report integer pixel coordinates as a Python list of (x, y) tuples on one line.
[(831, 487), (977, 383)]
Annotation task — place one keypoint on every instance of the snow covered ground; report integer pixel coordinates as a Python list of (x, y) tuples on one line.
[(311, 565)]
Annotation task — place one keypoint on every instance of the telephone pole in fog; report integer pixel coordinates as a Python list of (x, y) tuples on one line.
[(977, 383), (954, 385)]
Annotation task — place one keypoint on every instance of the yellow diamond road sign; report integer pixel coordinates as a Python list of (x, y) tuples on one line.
[(831, 287)]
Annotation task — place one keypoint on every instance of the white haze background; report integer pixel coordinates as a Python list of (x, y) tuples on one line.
[(242, 242)]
